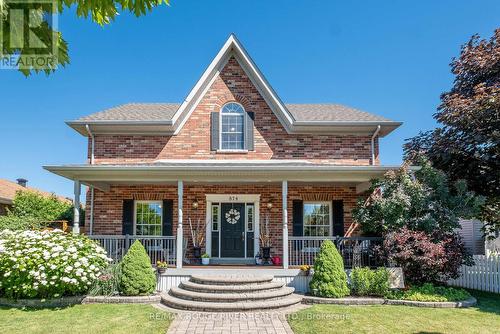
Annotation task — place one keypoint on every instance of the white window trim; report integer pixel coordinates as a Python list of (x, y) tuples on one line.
[(148, 202), (330, 214), (232, 150)]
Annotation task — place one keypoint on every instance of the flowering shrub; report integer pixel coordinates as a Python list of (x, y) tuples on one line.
[(48, 264), (423, 257)]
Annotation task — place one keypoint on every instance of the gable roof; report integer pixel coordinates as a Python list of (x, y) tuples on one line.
[(8, 191), (168, 118)]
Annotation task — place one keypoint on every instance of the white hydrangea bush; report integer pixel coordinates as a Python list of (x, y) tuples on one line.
[(48, 264)]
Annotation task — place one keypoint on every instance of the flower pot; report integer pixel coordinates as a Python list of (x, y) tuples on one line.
[(197, 252), (161, 270), (205, 261), (266, 252)]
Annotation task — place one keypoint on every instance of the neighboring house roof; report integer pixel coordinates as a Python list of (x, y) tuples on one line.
[(8, 191), (168, 118)]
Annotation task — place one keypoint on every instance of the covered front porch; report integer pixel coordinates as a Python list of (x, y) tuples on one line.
[(298, 205)]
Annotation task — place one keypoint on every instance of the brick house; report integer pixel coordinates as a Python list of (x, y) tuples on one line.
[(231, 155)]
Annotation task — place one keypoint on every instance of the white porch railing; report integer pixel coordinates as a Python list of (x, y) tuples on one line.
[(158, 248), (356, 251)]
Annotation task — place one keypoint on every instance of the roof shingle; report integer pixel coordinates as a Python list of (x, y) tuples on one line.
[(165, 112)]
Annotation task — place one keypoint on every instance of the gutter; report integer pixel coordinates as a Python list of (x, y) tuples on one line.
[(373, 143), (91, 216)]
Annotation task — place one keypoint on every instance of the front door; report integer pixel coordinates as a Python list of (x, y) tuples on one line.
[(233, 230)]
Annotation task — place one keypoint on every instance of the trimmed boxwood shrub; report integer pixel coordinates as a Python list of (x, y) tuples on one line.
[(367, 282), (137, 275), (329, 279), (48, 264)]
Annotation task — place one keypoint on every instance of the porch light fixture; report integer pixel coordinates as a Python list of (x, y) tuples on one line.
[(195, 204), (269, 205)]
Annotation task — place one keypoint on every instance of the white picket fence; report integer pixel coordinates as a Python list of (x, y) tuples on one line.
[(484, 275)]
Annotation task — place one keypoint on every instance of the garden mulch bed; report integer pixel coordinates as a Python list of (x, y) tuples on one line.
[(382, 301)]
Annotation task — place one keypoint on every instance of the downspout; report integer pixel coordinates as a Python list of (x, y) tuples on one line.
[(92, 142), (373, 143)]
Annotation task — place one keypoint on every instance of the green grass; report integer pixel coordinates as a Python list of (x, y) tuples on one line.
[(90, 318), (483, 318)]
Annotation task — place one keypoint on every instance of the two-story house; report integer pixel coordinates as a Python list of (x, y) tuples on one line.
[(233, 158)]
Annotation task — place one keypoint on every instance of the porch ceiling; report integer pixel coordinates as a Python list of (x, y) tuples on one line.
[(244, 171)]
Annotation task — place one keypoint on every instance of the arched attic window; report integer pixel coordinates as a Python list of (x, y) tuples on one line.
[(232, 126)]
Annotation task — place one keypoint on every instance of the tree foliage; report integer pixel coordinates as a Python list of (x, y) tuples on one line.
[(467, 143), (31, 209), (423, 200), (329, 278), (425, 257), (101, 12)]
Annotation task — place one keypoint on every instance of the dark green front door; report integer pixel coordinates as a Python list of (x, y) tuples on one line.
[(232, 230)]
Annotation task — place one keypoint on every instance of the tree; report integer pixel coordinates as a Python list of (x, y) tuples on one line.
[(329, 278), (31, 209), (467, 143), (101, 12), (423, 200)]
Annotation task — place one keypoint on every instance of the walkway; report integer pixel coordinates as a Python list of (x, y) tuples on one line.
[(263, 322)]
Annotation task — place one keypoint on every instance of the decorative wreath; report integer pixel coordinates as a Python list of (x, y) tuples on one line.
[(232, 216)]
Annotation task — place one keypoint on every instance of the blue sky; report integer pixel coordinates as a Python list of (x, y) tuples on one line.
[(386, 57)]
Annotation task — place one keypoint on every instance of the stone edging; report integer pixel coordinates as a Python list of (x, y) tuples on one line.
[(460, 304), (154, 299), (381, 301), (58, 302), (74, 300)]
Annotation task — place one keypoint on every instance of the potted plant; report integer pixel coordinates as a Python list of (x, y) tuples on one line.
[(161, 267), (197, 237), (205, 259), (306, 269)]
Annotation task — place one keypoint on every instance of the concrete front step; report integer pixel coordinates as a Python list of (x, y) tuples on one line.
[(240, 288), (231, 297), (231, 279), (192, 305)]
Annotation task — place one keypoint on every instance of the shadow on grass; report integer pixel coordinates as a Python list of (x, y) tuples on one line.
[(486, 301), (38, 308)]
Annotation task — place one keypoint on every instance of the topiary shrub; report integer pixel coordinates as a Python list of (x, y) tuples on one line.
[(137, 277), (367, 282), (48, 264), (329, 279)]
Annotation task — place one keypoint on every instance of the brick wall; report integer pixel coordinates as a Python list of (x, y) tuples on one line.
[(108, 206), (271, 139)]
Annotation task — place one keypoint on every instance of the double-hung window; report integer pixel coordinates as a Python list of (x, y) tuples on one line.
[(317, 219), (148, 218), (232, 127)]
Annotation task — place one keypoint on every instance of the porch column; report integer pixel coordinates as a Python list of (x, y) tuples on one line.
[(76, 207), (180, 234), (284, 196)]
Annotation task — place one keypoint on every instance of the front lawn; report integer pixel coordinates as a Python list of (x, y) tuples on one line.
[(484, 318), (91, 318)]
